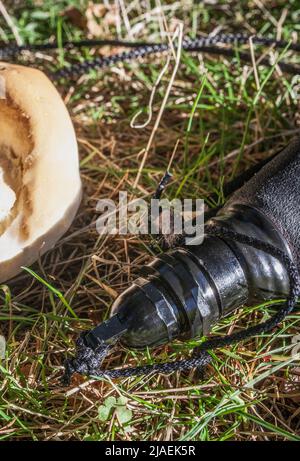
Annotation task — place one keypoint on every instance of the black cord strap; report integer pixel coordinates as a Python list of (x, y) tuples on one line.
[(204, 44), (190, 44), (142, 49), (89, 361)]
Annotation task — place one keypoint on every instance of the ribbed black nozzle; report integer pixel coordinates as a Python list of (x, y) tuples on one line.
[(248, 256), (184, 292)]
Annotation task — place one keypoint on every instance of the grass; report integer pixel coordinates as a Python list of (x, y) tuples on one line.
[(224, 123)]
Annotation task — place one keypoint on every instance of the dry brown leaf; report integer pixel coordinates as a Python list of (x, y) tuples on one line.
[(75, 17)]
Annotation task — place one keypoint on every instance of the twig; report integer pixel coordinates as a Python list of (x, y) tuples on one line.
[(173, 154), (152, 95), (10, 23), (254, 64), (154, 89), (157, 122)]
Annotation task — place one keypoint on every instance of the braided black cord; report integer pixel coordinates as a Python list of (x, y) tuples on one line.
[(190, 44), (203, 358), (205, 44), (141, 49), (11, 50), (88, 362)]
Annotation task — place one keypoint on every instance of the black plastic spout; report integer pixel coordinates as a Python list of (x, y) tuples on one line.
[(183, 292), (187, 290), (107, 332)]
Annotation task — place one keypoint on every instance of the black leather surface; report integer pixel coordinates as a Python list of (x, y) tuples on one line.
[(275, 190)]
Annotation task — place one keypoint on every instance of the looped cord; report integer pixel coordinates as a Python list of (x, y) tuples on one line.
[(88, 361)]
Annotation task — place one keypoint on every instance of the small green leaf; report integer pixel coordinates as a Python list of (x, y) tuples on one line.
[(103, 413), (124, 414), (110, 402), (122, 400)]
